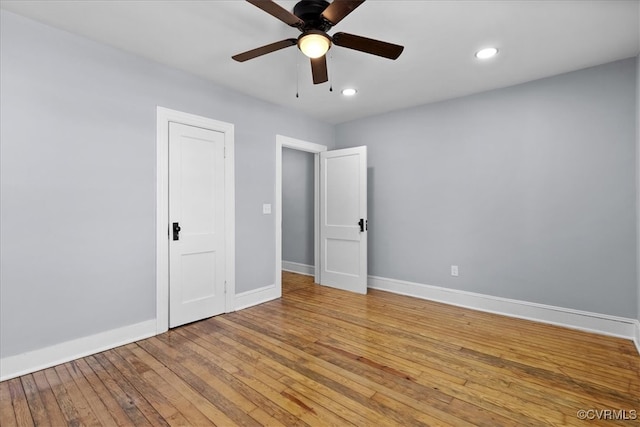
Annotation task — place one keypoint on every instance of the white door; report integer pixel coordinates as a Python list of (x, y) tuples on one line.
[(343, 219), (196, 224)]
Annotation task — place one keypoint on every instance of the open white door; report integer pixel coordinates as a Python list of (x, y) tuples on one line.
[(197, 223), (343, 219)]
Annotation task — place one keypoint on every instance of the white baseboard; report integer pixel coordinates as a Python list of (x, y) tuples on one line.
[(296, 267), (32, 361), (257, 296), (575, 319)]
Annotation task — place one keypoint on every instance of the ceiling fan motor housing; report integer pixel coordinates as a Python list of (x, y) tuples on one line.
[(310, 11)]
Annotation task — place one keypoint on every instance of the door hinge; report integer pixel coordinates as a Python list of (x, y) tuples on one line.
[(225, 286), (225, 152)]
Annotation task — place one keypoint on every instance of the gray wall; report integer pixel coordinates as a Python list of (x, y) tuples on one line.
[(530, 190), (78, 135), (297, 206)]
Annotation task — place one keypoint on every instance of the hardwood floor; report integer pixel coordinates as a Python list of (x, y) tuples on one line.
[(323, 357)]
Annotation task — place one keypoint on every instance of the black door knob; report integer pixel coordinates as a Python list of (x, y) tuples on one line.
[(176, 231)]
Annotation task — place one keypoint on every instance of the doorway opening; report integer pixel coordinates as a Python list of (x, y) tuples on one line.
[(315, 149), (298, 253)]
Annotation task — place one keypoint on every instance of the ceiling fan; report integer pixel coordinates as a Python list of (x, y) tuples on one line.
[(314, 18)]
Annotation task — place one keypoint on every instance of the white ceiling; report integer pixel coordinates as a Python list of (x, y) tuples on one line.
[(536, 38)]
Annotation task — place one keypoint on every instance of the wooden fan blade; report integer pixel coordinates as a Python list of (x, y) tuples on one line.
[(254, 53), (278, 11), (337, 10), (364, 44), (319, 70)]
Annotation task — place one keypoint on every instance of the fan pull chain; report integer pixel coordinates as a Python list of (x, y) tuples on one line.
[(330, 74), (297, 76)]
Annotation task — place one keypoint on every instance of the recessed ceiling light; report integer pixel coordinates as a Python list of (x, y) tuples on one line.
[(486, 53), (349, 92)]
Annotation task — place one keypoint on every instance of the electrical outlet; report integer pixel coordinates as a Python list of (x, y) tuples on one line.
[(266, 208), (454, 270)]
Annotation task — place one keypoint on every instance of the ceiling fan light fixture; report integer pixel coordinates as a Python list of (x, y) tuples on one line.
[(313, 18), (486, 53), (314, 44)]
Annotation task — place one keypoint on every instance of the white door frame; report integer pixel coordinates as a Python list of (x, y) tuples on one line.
[(309, 147), (164, 116)]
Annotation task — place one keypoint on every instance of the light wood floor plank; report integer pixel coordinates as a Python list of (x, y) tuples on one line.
[(443, 362), (54, 414), (323, 357), (6, 406), (317, 366), (263, 391), (20, 409), (198, 377), (191, 395), (83, 387), (74, 400), (126, 403), (111, 402), (150, 393), (262, 378), (151, 383), (383, 381)]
